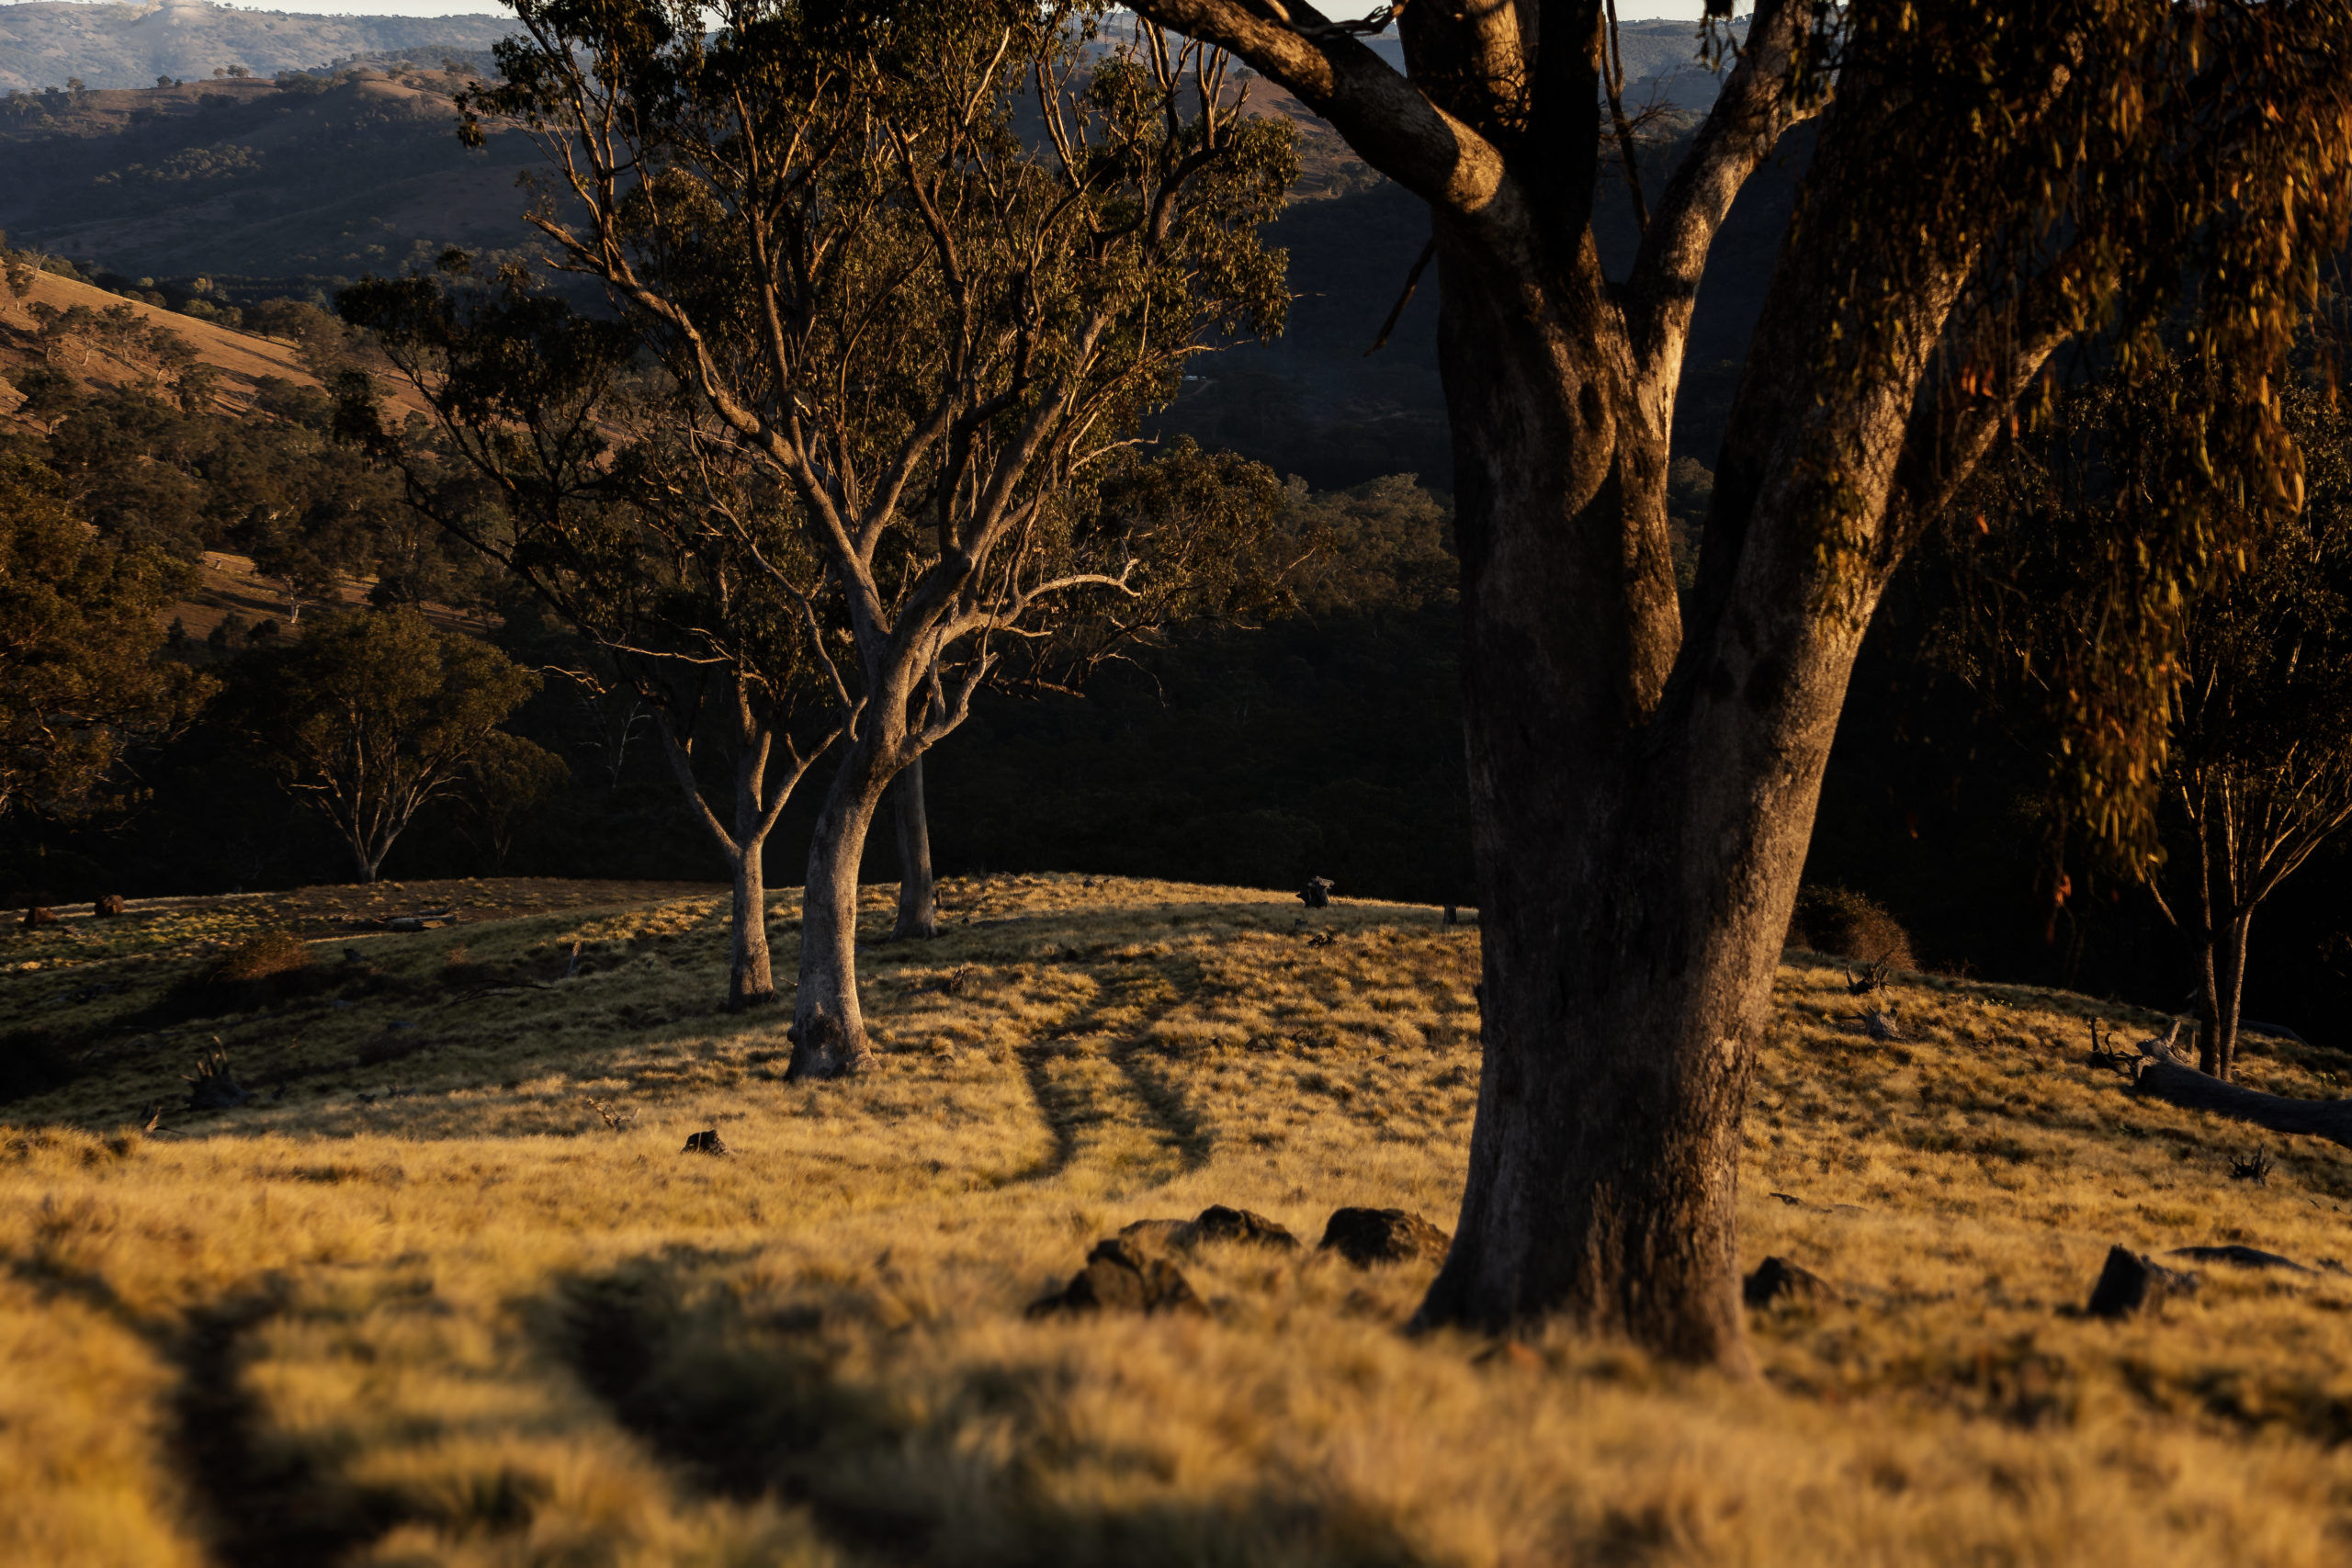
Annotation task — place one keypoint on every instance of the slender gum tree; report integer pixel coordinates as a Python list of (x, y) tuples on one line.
[(1987, 182), (604, 493), (927, 266)]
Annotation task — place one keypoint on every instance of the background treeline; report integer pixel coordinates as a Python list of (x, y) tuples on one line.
[(1324, 743)]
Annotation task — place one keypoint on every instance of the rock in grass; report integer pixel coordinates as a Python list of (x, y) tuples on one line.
[(1122, 1275), (1217, 1223), (2130, 1283), (706, 1141), (1776, 1279), (108, 907), (1159, 1235), (1366, 1236)]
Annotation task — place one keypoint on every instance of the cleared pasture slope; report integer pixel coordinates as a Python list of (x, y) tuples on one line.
[(466, 1324)]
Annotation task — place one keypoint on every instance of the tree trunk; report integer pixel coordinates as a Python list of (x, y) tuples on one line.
[(1637, 850), (828, 1025), (749, 980), (918, 909), (2220, 983), (2209, 1015), (2229, 1001)]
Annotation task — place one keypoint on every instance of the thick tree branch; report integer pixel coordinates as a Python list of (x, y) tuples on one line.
[(1389, 122)]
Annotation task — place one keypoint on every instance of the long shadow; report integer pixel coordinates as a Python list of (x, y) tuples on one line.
[(1067, 1110), (746, 1434), (1062, 1109), (765, 1400), (253, 1512), (1169, 1104), (260, 1511)]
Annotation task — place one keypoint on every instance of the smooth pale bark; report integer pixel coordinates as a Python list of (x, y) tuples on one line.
[(743, 841), (749, 978), (917, 898), (828, 1030)]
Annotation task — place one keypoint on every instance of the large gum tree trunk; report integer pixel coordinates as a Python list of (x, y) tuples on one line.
[(918, 902), (828, 1031), (1631, 902)]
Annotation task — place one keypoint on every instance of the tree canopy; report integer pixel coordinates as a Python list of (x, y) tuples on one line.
[(80, 676)]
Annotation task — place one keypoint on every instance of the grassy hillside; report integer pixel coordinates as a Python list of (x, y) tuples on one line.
[(418, 1304)]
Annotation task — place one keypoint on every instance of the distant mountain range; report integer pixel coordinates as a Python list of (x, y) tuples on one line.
[(1663, 62), (46, 43)]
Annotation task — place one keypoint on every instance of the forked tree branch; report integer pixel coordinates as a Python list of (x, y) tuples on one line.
[(1391, 124)]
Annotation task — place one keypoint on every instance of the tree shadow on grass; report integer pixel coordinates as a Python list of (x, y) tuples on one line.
[(1117, 1027), (253, 1506), (805, 1401)]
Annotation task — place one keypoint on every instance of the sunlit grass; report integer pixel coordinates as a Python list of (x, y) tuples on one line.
[(456, 1318)]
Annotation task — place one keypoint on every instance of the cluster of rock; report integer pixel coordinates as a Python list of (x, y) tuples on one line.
[(1136, 1270), (39, 915)]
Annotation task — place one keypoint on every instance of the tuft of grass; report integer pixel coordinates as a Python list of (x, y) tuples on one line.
[(259, 957), (422, 1302)]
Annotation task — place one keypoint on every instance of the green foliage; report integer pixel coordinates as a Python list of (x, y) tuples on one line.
[(952, 320), (505, 779), (677, 563), (47, 393), (2072, 609), (372, 715), (80, 681), (1384, 545)]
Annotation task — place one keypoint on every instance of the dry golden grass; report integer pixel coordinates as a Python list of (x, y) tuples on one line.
[(422, 1306)]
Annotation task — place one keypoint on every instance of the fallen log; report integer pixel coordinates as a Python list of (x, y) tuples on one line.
[(2175, 1084)]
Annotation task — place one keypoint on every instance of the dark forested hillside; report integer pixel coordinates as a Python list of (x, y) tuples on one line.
[(329, 177), (1323, 743)]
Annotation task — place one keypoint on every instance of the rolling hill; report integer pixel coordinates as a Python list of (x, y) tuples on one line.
[(46, 43), (446, 1288), (317, 177)]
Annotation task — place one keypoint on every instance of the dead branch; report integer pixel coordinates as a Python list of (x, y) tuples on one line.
[(2175, 1083)]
